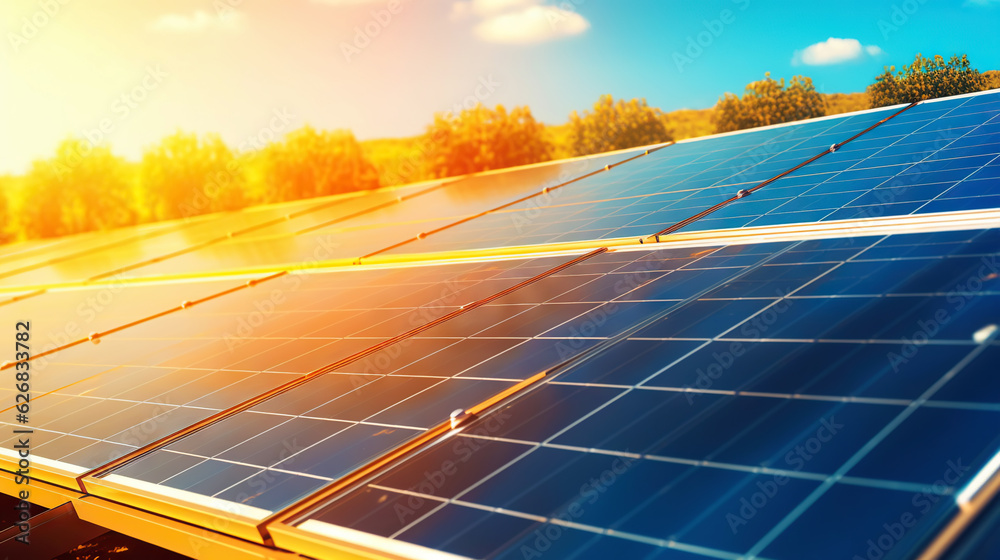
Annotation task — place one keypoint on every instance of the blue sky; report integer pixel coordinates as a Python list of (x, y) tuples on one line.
[(764, 36), (382, 68)]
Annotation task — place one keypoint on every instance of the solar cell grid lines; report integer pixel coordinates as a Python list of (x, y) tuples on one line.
[(668, 185), (244, 344), (82, 257), (638, 200), (731, 420), (288, 235), (918, 162), (483, 387), (416, 383)]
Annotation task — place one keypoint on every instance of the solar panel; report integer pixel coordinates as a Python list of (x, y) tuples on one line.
[(306, 231), (130, 247), (688, 177), (793, 392), (729, 437), (376, 403), (375, 231), (99, 402), (925, 160), (666, 186)]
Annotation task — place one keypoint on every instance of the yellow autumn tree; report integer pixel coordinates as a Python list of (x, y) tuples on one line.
[(926, 78), (185, 175), (310, 163), (6, 229), (83, 188), (992, 78), (767, 102), (480, 139), (616, 125)]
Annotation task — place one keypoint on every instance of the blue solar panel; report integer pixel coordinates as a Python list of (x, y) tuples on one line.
[(828, 391), (822, 398), (981, 540), (95, 403), (666, 186), (362, 409), (935, 157)]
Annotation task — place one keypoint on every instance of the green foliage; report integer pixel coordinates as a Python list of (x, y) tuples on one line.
[(616, 125), (480, 139), (184, 175), (926, 78), (309, 163), (83, 188), (767, 102)]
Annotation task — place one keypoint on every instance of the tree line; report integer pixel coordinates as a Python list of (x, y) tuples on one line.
[(84, 187)]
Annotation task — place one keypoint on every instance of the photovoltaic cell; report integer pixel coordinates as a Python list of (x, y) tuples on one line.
[(325, 429), (94, 403), (935, 157), (85, 256), (374, 231), (771, 400), (314, 231), (782, 430), (664, 187)]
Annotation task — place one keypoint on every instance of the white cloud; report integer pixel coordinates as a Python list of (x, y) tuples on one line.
[(197, 22), (519, 21), (834, 51), (487, 8), (532, 25)]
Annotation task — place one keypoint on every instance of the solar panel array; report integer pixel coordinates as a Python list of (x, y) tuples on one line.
[(750, 418), (514, 365)]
